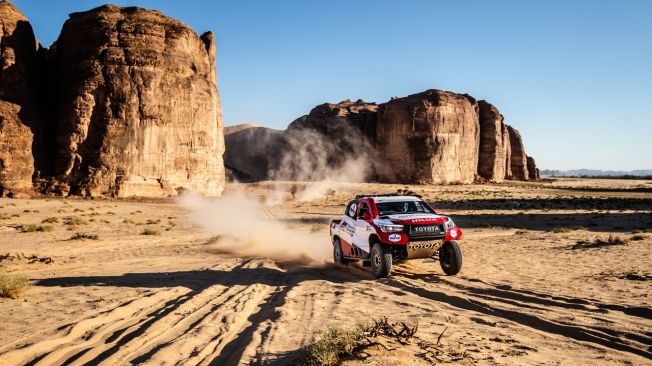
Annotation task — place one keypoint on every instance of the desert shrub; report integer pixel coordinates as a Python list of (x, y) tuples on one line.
[(598, 243), (153, 222), (562, 230), (50, 220), (13, 286), (31, 228), (638, 237), (73, 221), (128, 221), (521, 232), (4, 217), (150, 231), (333, 344), (84, 236)]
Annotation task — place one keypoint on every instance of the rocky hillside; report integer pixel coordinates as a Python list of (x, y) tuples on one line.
[(436, 136), (130, 107)]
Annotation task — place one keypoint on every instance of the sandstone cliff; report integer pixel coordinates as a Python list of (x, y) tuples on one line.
[(335, 119), (494, 143), (533, 171), (20, 63), (518, 158), (136, 103), (430, 137)]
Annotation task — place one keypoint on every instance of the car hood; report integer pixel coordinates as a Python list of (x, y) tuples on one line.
[(412, 219)]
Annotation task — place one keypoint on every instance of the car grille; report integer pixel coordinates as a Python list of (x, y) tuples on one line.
[(424, 231)]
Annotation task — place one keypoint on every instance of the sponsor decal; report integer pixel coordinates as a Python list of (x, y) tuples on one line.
[(425, 245), (425, 229), (352, 209), (395, 237), (422, 220)]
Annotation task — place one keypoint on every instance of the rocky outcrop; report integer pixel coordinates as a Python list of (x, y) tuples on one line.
[(518, 158), (253, 152), (20, 119), (494, 143), (136, 104), (430, 137), (533, 171), (340, 119)]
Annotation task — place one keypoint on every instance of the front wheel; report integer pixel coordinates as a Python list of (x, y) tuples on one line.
[(381, 261), (450, 258)]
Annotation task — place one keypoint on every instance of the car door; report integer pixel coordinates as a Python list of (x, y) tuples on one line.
[(362, 227), (347, 228)]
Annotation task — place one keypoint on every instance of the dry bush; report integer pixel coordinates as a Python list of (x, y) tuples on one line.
[(84, 236), (153, 222), (13, 286), (638, 237), (598, 243), (73, 221), (31, 228), (50, 220), (562, 230), (329, 347), (150, 231), (333, 344)]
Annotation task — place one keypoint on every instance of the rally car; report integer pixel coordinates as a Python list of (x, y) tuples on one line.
[(382, 230)]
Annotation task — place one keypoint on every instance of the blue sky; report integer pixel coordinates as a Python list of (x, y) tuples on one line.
[(575, 77)]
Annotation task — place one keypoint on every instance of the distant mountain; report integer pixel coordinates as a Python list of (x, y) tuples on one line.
[(595, 173)]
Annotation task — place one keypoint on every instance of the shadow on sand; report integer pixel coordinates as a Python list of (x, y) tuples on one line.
[(197, 281)]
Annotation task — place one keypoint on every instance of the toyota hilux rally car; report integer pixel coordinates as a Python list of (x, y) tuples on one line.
[(382, 230)]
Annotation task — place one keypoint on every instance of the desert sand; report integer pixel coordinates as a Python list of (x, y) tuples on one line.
[(536, 287)]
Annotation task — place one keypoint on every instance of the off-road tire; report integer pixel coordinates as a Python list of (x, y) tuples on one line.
[(381, 261), (338, 255), (450, 258)]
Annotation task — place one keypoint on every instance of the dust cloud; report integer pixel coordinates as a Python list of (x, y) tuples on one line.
[(321, 162), (243, 227)]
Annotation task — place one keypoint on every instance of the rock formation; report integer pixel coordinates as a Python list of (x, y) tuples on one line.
[(337, 119), (430, 137), (125, 103), (136, 104), (20, 62), (518, 158), (533, 171), (494, 143), (253, 152)]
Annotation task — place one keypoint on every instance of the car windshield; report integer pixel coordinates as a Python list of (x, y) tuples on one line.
[(402, 207)]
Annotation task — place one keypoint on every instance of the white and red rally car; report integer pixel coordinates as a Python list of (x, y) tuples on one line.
[(381, 230)]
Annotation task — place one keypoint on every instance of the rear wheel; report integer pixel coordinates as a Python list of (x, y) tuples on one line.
[(450, 258), (381, 261), (338, 256)]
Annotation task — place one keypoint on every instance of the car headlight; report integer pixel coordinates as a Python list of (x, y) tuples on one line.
[(449, 224), (391, 228)]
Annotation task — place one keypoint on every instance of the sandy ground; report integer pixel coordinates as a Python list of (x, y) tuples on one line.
[(527, 294)]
